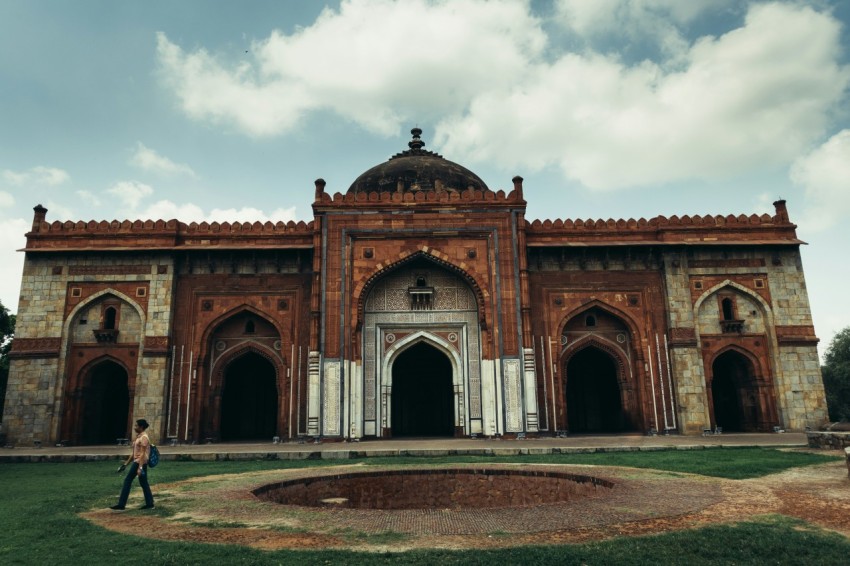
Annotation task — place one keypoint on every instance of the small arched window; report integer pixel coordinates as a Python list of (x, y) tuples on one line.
[(590, 320), (421, 281), (109, 316), (728, 309), (249, 327)]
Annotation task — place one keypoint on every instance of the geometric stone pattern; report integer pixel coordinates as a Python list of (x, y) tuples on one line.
[(513, 396), (332, 398), (454, 311)]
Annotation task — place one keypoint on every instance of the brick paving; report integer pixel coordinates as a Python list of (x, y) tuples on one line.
[(651, 495)]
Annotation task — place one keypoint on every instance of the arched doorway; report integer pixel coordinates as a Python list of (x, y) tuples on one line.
[(106, 404), (422, 393), (734, 393), (249, 399), (593, 393)]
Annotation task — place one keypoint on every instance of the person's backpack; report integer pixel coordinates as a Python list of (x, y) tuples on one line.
[(153, 459)]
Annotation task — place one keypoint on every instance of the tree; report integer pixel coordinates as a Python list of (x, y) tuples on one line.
[(836, 376), (7, 333)]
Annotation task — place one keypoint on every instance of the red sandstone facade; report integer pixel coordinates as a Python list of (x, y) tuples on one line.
[(419, 303)]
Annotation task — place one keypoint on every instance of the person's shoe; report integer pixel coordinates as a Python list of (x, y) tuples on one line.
[(147, 507), (117, 508)]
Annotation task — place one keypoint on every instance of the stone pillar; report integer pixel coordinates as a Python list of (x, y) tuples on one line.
[(511, 376), (313, 395), (40, 213), (531, 415), (331, 399)]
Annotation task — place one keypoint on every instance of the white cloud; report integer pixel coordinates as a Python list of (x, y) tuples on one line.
[(58, 211), (824, 174), (167, 210), (248, 214), (50, 176), (634, 16), (188, 212), (149, 160), (88, 197), (130, 193), (6, 200), (12, 238), (754, 97), (378, 63)]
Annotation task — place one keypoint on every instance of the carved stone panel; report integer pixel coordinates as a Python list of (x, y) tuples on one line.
[(452, 318), (513, 395), (331, 399)]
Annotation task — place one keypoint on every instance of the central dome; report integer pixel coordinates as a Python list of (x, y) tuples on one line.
[(414, 170)]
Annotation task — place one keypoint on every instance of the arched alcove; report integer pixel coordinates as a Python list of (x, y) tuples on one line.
[(422, 394), (599, 391), (735, 393), (594, 401), (249, 399), (399, 310), (105, 404)]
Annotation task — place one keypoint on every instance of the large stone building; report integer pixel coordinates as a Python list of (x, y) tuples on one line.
[(418, 303)]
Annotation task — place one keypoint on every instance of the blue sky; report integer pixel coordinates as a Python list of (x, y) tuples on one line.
[(609, 109)]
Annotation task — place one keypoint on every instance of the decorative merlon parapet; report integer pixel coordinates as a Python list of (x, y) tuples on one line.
[(249, 227), (685, 230), (170, 226), (161, 234), (697, 221), (425, 196)]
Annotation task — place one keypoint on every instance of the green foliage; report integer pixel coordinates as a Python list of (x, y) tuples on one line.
[(7, 332), (836, 376), (39, 524)]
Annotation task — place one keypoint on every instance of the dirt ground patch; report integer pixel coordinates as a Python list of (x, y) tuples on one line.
[(222, 509)]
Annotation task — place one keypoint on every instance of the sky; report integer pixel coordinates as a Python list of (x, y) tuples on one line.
[(212, 110)]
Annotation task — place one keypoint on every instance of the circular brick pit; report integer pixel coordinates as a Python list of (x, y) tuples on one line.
[(434, 489)]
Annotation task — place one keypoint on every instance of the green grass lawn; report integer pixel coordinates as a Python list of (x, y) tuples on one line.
[(39, 523), (729, 463)]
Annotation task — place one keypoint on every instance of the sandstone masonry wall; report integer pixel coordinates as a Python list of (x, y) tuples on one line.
[(53, 286), (780, 334)]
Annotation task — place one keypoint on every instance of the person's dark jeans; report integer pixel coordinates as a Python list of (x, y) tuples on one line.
[(128, 482)]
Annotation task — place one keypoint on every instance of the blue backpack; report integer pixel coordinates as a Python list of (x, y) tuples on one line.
[(153, 460)]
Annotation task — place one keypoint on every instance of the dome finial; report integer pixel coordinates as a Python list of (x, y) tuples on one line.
[(416, 143)]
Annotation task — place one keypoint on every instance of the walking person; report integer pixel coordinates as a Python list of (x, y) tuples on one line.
[(138, 462)]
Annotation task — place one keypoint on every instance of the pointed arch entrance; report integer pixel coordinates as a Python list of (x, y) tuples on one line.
[(420, 301), (249, 399), (594, 403), (735, 393), (601, 370), (105, 404), (422, 393)]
